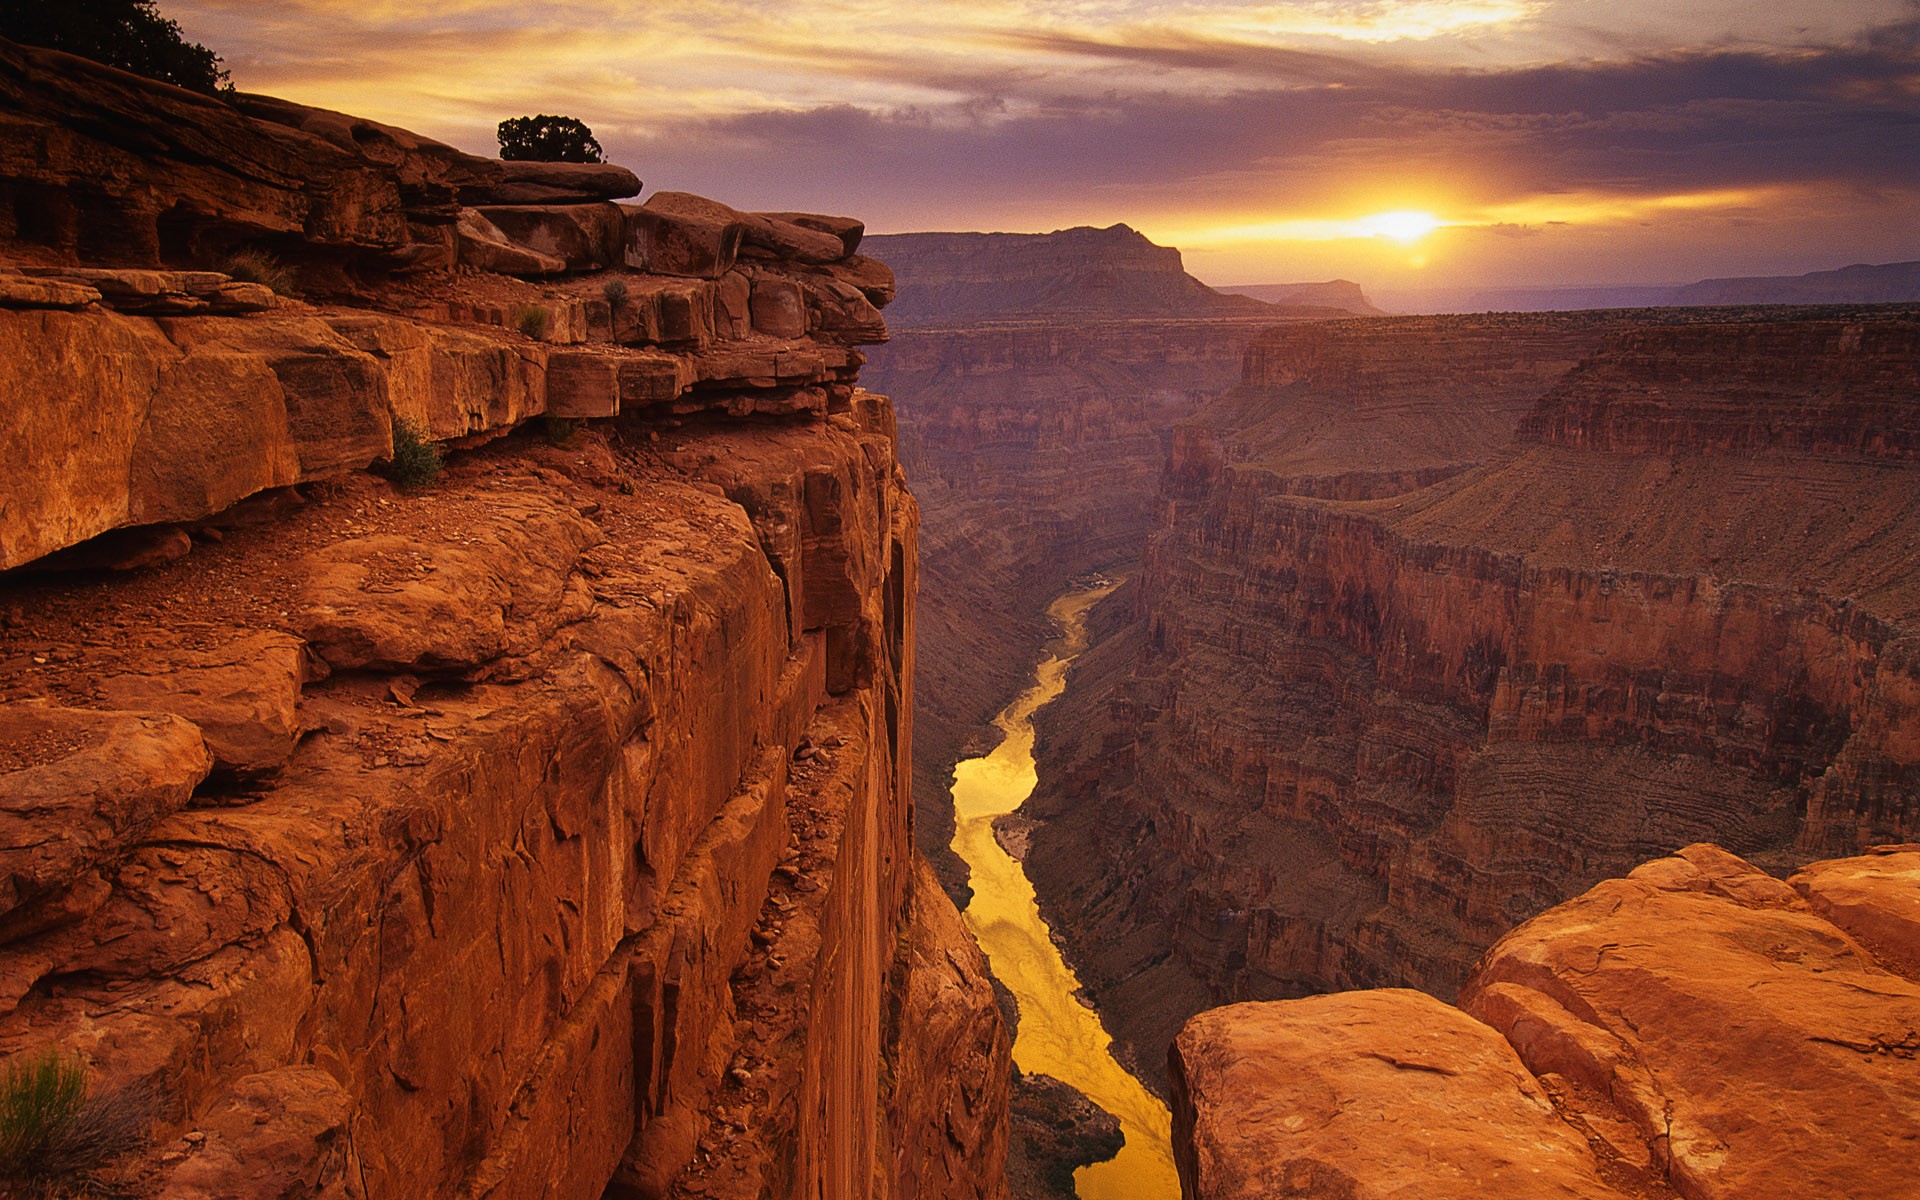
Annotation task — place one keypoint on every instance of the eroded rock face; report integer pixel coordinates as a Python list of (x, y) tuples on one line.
[(541, 832), (1695, 1029), (1388, 687)]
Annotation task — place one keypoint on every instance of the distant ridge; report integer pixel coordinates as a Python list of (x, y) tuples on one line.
[(1884, 283), (1334, 293), (1887, 283), (1078, 272)]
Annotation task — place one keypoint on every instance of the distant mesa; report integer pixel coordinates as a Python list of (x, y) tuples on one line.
[(1079, 272), (1341, 294)]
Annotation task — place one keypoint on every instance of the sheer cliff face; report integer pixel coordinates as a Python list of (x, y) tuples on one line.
[(545, 832), (1372, 704), (1034, 451)]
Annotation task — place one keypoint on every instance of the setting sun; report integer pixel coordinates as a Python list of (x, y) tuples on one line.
[(1405, 227)]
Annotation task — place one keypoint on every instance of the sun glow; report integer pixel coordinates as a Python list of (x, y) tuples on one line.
[(1406, 226)]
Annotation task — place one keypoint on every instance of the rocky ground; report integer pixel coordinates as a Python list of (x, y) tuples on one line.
[(1696, 1029)]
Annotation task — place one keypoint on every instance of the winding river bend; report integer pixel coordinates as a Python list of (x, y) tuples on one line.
[(1058, 1035)]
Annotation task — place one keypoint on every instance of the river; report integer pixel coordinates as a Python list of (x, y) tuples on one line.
[(1058, 1035)]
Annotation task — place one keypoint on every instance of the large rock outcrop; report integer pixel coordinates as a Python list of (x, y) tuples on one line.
[(544, 832), (1387, 687), (1696, 1029)]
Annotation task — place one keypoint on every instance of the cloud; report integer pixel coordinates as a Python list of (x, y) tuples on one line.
[(1017, 114)]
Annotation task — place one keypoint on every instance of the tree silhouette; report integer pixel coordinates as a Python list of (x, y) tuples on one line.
[(129, 34), (547, 139)]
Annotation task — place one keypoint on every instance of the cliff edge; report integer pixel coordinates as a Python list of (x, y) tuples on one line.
[(1697, 1029), (539, 829)]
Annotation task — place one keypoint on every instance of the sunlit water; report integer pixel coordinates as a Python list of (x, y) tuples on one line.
[(1058, 1035)]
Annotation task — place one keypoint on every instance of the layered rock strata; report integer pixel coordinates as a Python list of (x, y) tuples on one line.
[(543, 832), (1034, 451), (1696, 1029), (1387, 688)]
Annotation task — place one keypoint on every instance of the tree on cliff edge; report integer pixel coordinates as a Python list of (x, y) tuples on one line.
[(129, 34), (547, 139)]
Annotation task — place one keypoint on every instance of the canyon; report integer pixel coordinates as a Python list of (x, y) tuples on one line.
[(486, 672), (1408, 664), (544, 831)]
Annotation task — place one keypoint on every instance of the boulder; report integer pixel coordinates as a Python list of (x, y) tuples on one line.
[(244, 695), (1366, 1096), (1875, 898), (778, 308), (847, 229), (669, 237), (18, 291), (557, 183), (397, 603), (873, 277), (587, 237), (484, 247), (1705, 1019), (77, 786)]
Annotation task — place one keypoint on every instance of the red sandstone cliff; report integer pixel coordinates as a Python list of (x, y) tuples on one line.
[(1387, 688), (1697, 1029), (546, 832)]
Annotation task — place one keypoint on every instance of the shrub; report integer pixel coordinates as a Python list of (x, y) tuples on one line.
[(53, 1134), (547, 139), (615, 291), (532, 320), (258, 266), (560, 430), (129, 34), (416, 459)]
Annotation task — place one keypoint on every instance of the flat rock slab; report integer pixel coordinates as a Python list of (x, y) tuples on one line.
[(1366, 1095), (244, 695), (394, 603), (1756, 1047), (77, 786)]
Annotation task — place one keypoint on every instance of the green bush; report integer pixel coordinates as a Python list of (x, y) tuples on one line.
[(416, 459), (560, 430), (54, 1135), (129, 34), (258, 266), (532, 320), (547, 138)]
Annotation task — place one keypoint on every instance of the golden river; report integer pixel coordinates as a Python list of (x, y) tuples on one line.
[(1058, 1035)]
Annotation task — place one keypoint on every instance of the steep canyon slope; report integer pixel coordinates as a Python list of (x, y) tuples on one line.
[(1444, 620), (540, 832)]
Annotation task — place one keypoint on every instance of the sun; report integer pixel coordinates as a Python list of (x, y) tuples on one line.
[(1405, 226)]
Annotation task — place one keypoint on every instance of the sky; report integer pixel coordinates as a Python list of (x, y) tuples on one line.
[(1422, 144)]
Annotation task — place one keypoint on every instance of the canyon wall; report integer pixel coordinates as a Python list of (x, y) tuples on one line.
[(1389, 685), (1697, 1029), (541, 831), (1034, 451)]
